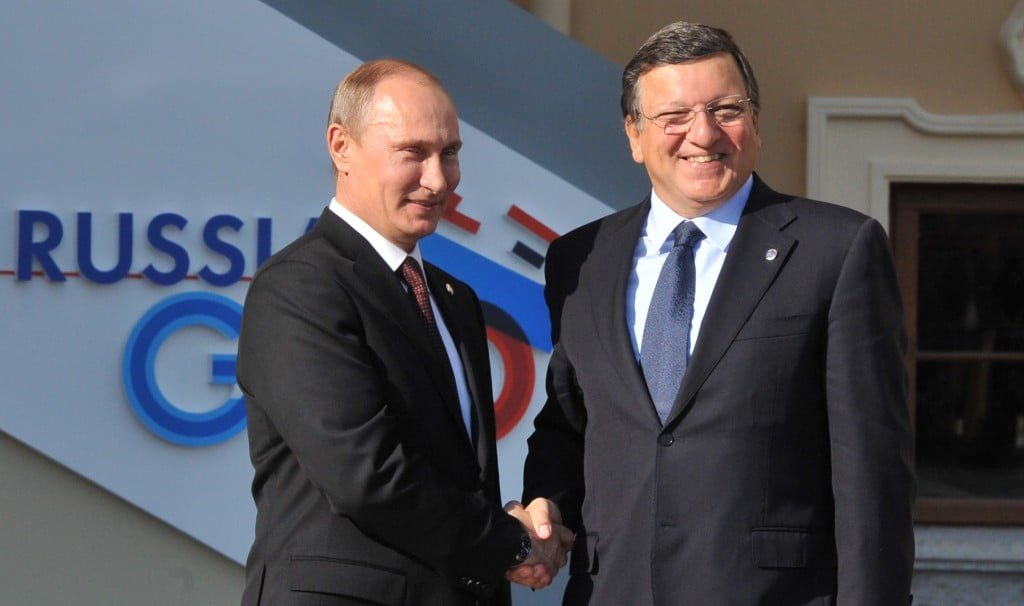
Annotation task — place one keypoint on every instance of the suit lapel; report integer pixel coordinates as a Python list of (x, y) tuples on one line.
[(748, 271), (381, 287), (606, 276), (461, 331)]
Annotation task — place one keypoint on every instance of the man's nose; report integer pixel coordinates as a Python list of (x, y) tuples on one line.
[(433, 177), (703, 130)]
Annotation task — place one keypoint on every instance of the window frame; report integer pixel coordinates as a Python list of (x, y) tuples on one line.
[(904, 238)]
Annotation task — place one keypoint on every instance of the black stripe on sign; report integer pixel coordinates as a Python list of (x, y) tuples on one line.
[(527, 254)]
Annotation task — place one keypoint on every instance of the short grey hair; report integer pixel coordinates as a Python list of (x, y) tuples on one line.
[(350, 104), (682, 42)]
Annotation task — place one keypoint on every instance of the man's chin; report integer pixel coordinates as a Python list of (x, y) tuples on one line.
[(422, 228), (712, 193)]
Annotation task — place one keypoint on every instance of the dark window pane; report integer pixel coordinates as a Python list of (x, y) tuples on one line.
[(971, 282), (970, 429)]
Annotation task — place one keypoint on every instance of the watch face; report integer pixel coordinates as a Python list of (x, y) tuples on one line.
[(525, 547)]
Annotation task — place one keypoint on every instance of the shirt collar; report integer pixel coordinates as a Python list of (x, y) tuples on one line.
[(392, 254), (719, 225)]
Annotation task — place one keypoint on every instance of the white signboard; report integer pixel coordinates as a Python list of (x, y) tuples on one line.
[(153, 154)]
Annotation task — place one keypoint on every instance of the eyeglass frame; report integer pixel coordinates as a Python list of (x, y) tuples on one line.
[(709, 108)]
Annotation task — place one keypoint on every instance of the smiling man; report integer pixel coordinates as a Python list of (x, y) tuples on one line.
[(367, 383), (726, 419)]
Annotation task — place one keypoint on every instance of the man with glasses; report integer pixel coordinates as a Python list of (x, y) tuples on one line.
[(727, 419)]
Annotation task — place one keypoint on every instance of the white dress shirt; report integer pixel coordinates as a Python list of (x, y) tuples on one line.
[(653, 247), (394, 256)]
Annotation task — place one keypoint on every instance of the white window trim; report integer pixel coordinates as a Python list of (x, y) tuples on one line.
[(858, 146)]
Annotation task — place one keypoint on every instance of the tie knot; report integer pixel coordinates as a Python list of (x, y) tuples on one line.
[(412, 273), (687, 234)]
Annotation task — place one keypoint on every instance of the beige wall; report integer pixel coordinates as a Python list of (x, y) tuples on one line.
[(943, 53)]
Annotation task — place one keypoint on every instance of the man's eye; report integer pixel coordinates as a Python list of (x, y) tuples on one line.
[(676, 117), (728, 113)]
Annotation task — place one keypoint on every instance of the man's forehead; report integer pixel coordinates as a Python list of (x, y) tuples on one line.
[(404, 126), (719, 58), (677, 77), (409, 84), (395, 97)]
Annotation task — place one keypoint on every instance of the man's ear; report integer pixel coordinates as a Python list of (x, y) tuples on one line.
[(339, 145), (633, 134)]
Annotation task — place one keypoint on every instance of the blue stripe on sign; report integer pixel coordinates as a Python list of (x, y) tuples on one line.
[(520, 297)]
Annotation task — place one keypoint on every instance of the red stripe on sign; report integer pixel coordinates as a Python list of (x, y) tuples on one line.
[(460, 220), (517, 388), (521, 217)]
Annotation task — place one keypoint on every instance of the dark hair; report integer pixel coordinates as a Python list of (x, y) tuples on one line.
[(682, 42)]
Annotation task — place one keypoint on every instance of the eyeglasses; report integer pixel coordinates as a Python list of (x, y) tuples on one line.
[(727, 111)]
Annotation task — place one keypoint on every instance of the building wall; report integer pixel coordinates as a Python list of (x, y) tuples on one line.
[(945, 54)]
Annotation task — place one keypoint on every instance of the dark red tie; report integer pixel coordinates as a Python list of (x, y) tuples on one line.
[(413, 276)]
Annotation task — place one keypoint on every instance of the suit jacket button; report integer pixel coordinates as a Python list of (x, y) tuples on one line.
[(666, 439)]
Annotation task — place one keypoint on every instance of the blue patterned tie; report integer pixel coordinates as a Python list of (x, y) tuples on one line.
[(666, 344)]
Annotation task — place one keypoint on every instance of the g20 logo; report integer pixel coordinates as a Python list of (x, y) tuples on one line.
[(149, 403), (517, 328), (224, 316)]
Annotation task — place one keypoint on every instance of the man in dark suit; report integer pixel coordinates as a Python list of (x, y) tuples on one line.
[(726, 419), (371, 422)]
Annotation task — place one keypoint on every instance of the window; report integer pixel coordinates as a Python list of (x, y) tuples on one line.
[(960, 260)]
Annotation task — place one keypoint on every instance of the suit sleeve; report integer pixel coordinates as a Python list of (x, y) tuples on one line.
[(554, 464), (869, 426), (304, 360)]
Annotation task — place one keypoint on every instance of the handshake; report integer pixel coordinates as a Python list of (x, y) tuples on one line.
[(551, 542)]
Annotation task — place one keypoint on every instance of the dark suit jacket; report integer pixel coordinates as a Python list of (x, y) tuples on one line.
[(783, 475), (367, 487)]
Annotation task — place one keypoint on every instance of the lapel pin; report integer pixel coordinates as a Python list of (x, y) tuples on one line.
[(770, 254), (449, 288)]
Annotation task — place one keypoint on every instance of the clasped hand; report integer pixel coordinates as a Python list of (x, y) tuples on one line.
[(551, 542)]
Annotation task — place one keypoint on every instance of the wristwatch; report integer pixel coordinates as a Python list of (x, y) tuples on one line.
[(525, 547)]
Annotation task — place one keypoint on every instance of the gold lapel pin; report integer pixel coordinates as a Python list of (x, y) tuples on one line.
[(449, 288)]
